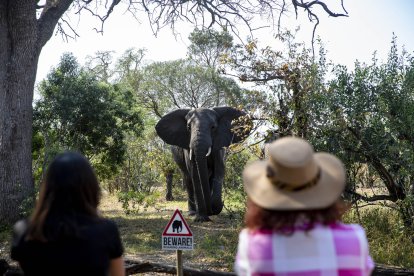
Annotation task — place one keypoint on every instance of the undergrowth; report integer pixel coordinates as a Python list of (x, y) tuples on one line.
[(216, 242), (389, 241)]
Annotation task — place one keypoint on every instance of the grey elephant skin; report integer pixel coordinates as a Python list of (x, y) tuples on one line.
[(198, 137)]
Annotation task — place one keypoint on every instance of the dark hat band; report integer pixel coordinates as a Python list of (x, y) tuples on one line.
[(289, 187)]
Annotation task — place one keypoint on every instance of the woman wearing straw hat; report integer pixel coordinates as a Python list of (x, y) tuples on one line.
[(293, 216)]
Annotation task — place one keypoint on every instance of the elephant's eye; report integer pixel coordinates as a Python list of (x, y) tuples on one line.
[(188, 127)]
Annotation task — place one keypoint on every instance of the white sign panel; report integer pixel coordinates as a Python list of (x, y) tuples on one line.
[(177, 235)]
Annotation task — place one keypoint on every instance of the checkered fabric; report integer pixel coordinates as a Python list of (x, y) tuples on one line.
[(337, 249)]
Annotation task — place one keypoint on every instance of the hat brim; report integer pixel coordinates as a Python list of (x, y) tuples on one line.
[(328, 189)]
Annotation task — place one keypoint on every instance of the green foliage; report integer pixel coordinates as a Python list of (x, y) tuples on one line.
[(128, 69), (363, 116), (366, 119), (182, 84), (208, 46), (135, 173), (284, 84), (388, 240), (147, 163), (235, 163), (234, 195), (136, 201), (78, 112)]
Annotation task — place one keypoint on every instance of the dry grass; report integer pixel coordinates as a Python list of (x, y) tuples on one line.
[(214, 242)]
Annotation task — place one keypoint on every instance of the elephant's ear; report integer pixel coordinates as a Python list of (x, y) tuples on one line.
[(172, 128), (231, 128)]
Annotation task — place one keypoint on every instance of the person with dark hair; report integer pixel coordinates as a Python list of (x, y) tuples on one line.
[(293, 217), (65, 234)]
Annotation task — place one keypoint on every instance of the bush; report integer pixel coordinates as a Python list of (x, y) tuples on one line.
[(136, 201), (234, 195), (389, 241)]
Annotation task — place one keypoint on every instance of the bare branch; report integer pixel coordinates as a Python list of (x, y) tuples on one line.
[(395, 191), (51, 13), (308, 6), (232, 15), (312, 16), (63, 33), (358, 196)]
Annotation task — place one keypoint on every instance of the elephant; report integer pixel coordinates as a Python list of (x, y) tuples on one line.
[(177, 224), (198, 138)]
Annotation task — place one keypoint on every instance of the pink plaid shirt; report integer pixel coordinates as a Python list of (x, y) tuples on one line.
[(337, 249)]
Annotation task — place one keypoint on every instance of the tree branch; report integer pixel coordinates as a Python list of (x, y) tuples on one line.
[(308, 5), (358, 196), (395, 191), (312, 16), (51, 13)]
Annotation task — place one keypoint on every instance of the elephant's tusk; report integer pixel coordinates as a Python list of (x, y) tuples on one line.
[(209, 151), (191, 153)]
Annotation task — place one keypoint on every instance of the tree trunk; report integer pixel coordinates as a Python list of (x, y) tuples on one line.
[(169, 181), (22, 36), (18, 64)]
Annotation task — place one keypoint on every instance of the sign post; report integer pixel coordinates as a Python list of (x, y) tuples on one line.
[(180, 263), (177, 236)]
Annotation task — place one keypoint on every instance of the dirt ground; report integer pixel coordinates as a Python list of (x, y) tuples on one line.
[(215, 242)]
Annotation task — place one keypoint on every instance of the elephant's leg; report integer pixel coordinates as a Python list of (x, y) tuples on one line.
[(192, 207), (216, 183), (216, 197), (182, 161)]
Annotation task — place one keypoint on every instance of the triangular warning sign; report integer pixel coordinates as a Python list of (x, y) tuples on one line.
[(177, 226)]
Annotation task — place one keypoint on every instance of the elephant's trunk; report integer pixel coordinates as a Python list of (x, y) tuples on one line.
[(208, 152), (202, 189)]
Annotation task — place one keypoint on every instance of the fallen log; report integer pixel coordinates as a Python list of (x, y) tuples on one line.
[(133, 267), (387, 270)]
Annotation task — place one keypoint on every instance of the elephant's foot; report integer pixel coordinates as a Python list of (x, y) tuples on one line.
[(169, 198), (216, 208), (192, 208), (200, 218)]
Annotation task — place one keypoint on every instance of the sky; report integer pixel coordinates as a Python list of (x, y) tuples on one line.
[(369, 27)]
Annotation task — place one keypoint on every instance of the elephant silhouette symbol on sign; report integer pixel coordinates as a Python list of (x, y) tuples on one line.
[(177, 225)]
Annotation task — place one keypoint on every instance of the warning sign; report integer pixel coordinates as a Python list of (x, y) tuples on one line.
[(177, 235)]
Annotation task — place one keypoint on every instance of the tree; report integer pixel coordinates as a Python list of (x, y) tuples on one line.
[(208, 45), (78, 112), (26, 26), (367, 120), (285, 82), (182, 84), (99, 65)]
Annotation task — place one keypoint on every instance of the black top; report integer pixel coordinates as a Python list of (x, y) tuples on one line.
[(86, 253)]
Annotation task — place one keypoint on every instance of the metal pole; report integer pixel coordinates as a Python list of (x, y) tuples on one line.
[(179, 263)]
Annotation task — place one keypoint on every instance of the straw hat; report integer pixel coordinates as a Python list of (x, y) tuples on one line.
[(294, 177)]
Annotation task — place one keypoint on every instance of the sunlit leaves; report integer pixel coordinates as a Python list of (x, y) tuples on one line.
[(78, 112)]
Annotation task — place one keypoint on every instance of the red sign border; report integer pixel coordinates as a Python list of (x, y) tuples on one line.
[(190, 234)]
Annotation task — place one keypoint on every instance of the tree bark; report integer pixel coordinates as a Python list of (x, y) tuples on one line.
[(22, 37), (18, 64), (169, 181)]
